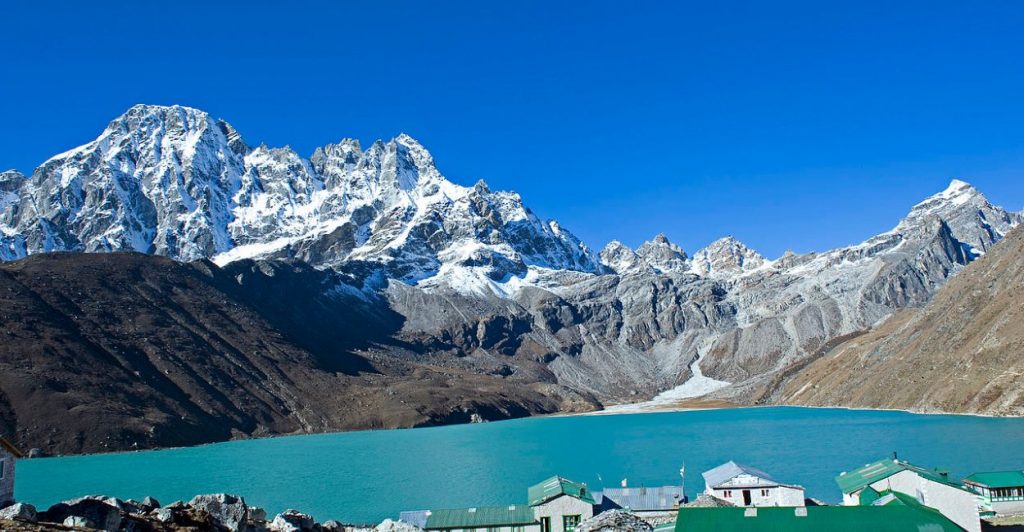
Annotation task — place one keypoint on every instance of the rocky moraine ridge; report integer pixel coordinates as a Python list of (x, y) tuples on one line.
[(204, 513), (298, 288)]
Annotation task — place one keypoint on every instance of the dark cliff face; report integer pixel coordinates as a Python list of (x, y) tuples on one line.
[(118, 351)]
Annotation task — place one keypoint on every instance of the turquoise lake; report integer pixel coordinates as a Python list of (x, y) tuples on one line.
[(363, 477)]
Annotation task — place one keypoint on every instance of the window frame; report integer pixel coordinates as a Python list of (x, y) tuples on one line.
[(565, 522)]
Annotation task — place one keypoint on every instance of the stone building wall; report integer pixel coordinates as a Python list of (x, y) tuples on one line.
[(7, 482)]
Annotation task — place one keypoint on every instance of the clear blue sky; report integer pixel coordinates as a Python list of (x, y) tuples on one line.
[(789, 125)]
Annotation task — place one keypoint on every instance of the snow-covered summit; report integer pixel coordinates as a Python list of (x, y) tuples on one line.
[(658, 255), (173, 181), (663, 255), (975, 222), (726, 256)]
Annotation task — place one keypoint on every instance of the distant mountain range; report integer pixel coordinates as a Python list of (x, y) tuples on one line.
[(406, 272)]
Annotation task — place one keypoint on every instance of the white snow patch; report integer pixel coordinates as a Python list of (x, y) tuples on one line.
[(697, 385), (252, 251)]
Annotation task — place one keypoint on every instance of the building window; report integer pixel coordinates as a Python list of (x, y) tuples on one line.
[(518, 529), (545, 524), (727, 494), (569, 522), (764, 493)]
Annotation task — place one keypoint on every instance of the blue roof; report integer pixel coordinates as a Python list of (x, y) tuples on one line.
[(641, 499)]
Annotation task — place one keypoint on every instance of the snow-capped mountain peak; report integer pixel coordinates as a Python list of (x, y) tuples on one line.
[(725, 256), (622, 260), (976, 223), (173, 181), (662, 255)]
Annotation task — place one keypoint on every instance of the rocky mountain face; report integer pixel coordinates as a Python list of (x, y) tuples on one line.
[(173, 181), (959, 353), (408, 270), (119, 351)]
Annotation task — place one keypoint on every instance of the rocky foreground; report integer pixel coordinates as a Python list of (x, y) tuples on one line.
[(219, 513)]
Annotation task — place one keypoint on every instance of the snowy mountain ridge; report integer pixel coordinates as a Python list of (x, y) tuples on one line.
[(173, 181)]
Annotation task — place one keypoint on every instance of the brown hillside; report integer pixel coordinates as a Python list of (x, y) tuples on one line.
[(963, 352), (118, 351)]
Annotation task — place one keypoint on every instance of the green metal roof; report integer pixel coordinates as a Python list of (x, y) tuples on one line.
[(899, 498), (873, 472), (481, 517), (556, 487), (867, 475), (869, 495), (817, 518), (997, 479)]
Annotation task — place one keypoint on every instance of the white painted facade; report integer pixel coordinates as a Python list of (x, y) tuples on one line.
[(1008, 507), (958, 505), (749, 487), (760, 496), (552, 514), (6, 477)]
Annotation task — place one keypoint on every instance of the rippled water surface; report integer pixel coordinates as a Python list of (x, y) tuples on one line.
[(367, 476)]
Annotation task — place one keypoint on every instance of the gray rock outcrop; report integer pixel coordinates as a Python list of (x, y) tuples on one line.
[(229, 511), (19, 511), (292, 521), (614, 521)]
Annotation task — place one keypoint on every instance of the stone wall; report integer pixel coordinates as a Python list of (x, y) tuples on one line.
[(561, 506), (7, 482)]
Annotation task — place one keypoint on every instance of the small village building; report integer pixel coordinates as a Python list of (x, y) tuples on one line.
[(8, 454), (1000, 492), (559, 504), (643, 501), (512, 518), (895, 518), (745, 486), (896, 479)]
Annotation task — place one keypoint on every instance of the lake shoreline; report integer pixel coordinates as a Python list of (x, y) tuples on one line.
[(687, 405)]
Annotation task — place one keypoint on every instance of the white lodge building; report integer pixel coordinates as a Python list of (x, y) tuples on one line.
[(746, 486), (878, 482)]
